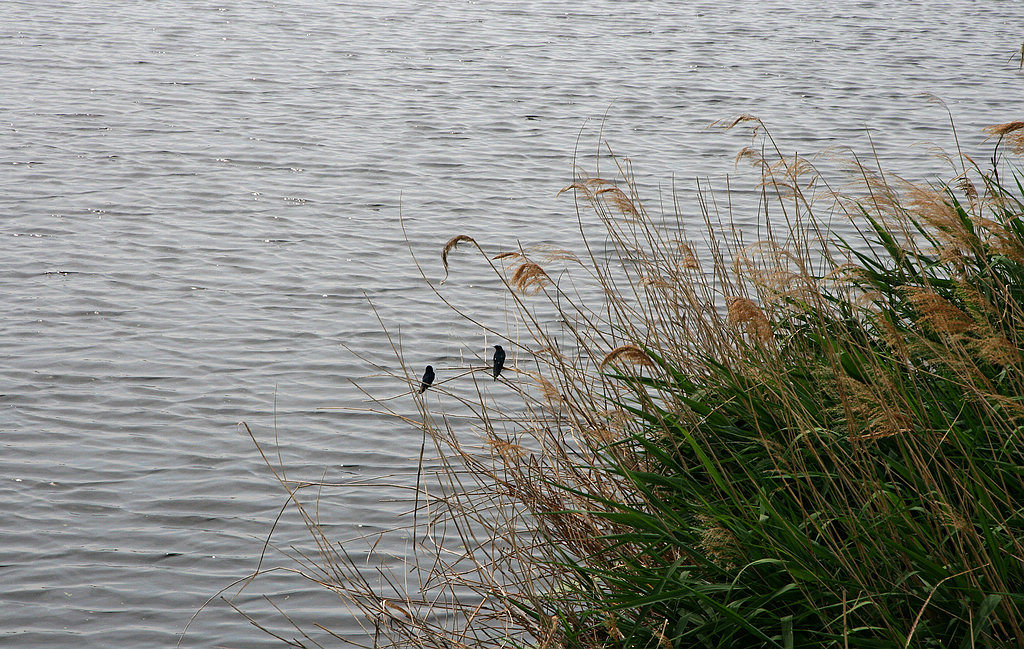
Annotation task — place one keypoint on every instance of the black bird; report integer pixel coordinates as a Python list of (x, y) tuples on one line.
[(499, 360), (428, 379)]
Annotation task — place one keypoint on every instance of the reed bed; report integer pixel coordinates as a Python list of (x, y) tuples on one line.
[(810, 440)]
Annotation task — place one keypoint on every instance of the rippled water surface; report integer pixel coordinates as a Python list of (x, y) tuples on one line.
[(197, 200)]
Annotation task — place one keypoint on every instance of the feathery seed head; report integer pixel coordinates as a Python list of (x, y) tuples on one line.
[(938, 312), (1012, 132), (452, 244), (745, 312), (529, 278), (628, 354)]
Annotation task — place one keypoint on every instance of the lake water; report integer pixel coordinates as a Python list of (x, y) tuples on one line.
[(198, 199)]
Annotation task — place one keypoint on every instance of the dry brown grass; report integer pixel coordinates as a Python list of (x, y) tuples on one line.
[(628, 354), (1011, 132), (529, 277)]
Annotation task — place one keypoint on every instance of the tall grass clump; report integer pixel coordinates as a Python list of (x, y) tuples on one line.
[(812, 439)]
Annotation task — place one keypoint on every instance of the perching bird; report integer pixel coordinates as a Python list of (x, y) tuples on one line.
[(499, 360), (428, 379)]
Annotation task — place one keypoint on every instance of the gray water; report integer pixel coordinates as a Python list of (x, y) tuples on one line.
[(198, 200)]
